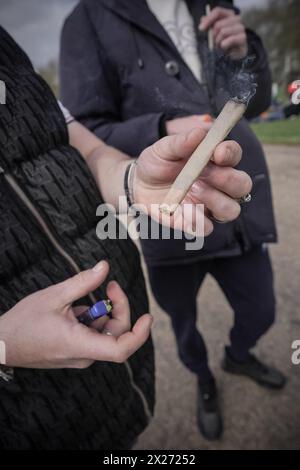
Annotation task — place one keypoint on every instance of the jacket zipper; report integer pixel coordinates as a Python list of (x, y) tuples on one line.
[(47, 231)]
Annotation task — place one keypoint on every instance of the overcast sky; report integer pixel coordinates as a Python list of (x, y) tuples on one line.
[(36, 24)]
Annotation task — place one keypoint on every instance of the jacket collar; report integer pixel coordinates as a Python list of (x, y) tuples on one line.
[(138, 13)]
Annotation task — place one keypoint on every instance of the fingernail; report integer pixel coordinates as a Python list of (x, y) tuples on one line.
[(99, 267), (113, 284)]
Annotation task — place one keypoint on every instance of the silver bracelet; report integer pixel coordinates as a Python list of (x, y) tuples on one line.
[(128, 183)]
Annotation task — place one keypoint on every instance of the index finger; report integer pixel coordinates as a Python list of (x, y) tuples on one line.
[(179, 147), (228, 153), (215, 15)]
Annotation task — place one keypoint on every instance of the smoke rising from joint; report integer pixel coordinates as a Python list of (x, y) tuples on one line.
[(237, 80)]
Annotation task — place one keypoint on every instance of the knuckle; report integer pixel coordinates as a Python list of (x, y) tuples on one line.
[(120, 356), (248, 184), (59, 291), (83, 364), (124, 302), (232, 178), (127, 326), (236, 210), (231, 210), (81, 277), (235, 149), (245, 180), (225, 207), (225, 42), (221, 34), (218, 27)]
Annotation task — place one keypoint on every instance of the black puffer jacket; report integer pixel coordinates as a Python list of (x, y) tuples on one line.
[(121, 75), (107, 405)]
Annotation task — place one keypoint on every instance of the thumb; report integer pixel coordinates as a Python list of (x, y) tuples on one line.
[(179, 146), (83, 283)]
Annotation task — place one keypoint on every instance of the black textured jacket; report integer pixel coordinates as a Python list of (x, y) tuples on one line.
[(116, 78), (107, 405)]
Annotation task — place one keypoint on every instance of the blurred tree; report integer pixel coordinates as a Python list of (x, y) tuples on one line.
[(278, 24), (50, 74)]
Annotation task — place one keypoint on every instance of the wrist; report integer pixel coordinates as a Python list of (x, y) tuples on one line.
[(97, 153)]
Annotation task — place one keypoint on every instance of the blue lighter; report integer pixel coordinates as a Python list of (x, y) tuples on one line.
[(100, 309)]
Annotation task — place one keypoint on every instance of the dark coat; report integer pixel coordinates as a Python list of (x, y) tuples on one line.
[(116, 80), (100, 407)]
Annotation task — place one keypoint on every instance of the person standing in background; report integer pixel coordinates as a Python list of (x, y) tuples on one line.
[(132, 71)]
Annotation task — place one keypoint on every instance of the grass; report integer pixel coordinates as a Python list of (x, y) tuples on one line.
[(279, 132)]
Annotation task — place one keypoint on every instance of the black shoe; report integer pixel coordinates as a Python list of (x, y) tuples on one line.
[(208, 413), (254, 369)]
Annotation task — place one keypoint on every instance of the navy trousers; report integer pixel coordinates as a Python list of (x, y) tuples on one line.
[(247, 282)]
